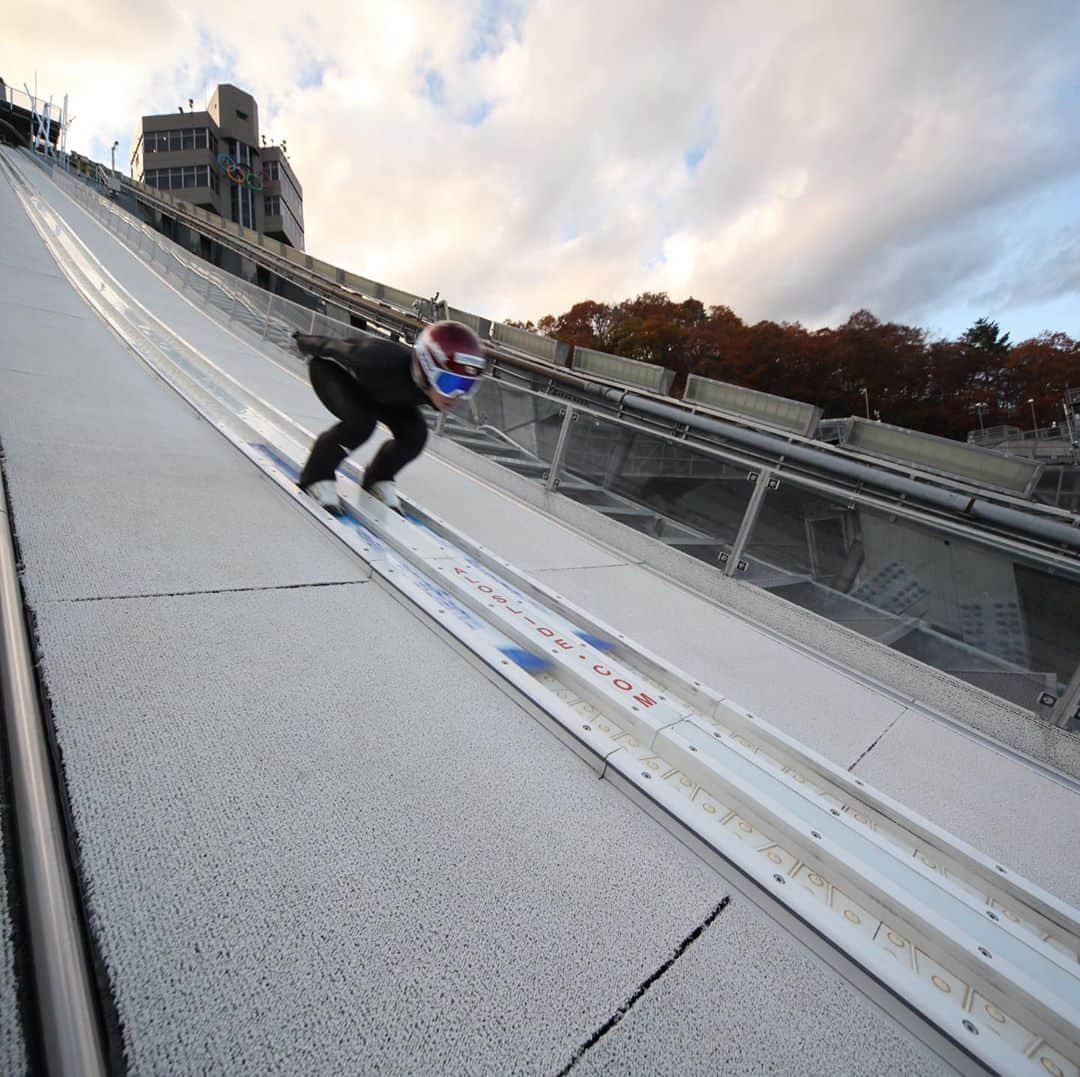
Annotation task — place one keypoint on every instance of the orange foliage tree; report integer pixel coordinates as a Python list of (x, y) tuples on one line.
[(908, 379)]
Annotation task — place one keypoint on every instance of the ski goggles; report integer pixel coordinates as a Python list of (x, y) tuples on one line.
[(446, 382)]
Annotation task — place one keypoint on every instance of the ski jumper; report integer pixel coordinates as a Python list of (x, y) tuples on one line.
[(363, 382)]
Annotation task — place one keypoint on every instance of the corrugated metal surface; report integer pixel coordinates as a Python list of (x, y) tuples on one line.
[(649, 376), (940, 454), (776, 411)]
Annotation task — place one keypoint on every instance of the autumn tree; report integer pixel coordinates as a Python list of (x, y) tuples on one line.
[(911, 381), (588, 325), (1041, 369)]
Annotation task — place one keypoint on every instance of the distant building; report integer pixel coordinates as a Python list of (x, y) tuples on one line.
[(215, 161)]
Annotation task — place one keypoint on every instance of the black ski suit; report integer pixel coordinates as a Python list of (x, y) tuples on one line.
[(362, 382)]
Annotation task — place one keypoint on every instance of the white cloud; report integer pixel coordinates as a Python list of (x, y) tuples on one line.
[(847, 156)]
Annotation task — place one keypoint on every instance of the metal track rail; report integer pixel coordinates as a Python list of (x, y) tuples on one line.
[(981, 954), (63, 981), (63, 985)]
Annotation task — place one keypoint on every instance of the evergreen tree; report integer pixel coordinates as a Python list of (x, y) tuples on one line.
[(986, 336)]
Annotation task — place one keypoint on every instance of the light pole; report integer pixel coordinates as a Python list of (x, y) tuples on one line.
[(982, 429), (866, 396), (114, 145), (1034, 421)]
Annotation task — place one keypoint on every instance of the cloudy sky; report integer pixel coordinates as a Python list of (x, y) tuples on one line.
[(793, 160)]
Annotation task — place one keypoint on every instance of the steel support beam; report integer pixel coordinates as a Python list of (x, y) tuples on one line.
[(551, 482), (1068, 706), (266, 322), (757, 499)]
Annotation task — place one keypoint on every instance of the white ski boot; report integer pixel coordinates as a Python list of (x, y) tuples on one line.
[(386, 492), (325, 493)]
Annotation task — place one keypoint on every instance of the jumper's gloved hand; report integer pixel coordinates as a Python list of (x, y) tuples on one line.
[(307, 345)]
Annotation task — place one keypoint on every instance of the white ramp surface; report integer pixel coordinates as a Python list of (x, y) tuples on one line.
[(739, 1032), (317, 837), (312, 837)]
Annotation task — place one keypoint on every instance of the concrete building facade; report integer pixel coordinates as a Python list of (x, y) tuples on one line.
[(216, 159)]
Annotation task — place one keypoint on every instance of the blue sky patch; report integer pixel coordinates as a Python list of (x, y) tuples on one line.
[(570, 231), (495, 23), (312, 74), (692, 157), (705, 133), (434, 87), (476, 114)]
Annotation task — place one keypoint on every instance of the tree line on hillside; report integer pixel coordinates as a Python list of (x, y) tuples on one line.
[(910, 379)]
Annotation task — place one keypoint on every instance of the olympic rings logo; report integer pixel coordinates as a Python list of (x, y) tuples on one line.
[(241, 175)]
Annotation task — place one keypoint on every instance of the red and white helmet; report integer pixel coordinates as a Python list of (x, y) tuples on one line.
[(451, 358)]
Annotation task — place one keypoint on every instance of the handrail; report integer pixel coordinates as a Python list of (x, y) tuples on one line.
[(376, 311), (63, 981), (980, 508), (907, 483), (969, 500), (741, 457)]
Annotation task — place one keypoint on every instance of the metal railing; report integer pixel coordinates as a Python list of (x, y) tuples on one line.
[(845, 554), (13, 97), (395, 311), (996, 614)]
